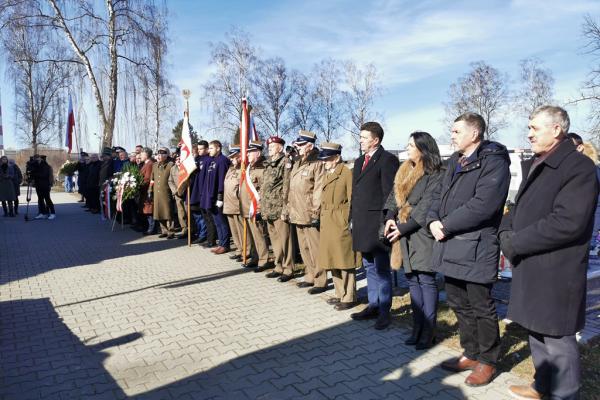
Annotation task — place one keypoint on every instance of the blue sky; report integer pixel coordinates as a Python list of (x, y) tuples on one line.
[(419, 47)]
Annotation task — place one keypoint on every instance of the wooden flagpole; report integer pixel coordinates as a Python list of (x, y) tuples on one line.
[(189, 225)]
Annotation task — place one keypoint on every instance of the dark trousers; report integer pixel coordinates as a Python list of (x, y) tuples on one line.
[(93, 198), (477, 319), (557, 365), (45, 205), (211, 229), (222, 227), (379, 280), (200, 224), (423, 299)]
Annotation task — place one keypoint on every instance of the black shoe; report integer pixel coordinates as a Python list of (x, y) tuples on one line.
[(427, 339), (171, 236), (367, 313), (273, 274), (262, 268), (344, 306), (208, 245), (250, 264), (333, 301), (383, 321), (317, 290), (163, 235), (284, 278), (234, 256), (414, 336), (304, 284)]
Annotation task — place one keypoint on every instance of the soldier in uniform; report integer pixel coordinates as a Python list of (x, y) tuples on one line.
[(304, 207), (335, 244), (159, 189), (273, 197), (255, 230), (231, 201)]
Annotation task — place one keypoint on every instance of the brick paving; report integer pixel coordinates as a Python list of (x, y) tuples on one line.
[(90, 313)]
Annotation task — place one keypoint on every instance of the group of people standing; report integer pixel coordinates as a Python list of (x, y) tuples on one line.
[(427, 216)]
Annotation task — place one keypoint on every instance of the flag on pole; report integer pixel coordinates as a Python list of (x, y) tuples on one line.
[(70, 126), (247, 133), (187, 164), (1, 132)]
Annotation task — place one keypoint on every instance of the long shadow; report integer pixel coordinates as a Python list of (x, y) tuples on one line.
[(42, 359), (75, 238)]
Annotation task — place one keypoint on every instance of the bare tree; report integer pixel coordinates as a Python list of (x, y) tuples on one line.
[(40, 89), (330, 116), (235, 62), (590, 90), (304, 102), (274, 92), (362, 89), (483, 90), (536, 86)]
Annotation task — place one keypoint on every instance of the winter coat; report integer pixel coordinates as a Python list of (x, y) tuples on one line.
[(335, 240), (82, 174), (202, 163), (7, 187), (146, 204), (17, 178), (92, 181), (161, 193), (256, 172), (549, 231), (42, 175), (106, 172), (469, 204), (370, 190), (306, 186), (275, 187), (416, 242), (231, 201), (213, 182)]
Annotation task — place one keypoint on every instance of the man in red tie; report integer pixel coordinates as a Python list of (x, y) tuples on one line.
[(372, 181)]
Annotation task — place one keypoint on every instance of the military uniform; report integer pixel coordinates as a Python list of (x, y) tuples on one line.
[(162, 195), (255, 228), (303, 209), (231, 202), (273, 197), (335, 244)]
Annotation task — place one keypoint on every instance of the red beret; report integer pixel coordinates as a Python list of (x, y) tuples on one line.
[(275, 139)]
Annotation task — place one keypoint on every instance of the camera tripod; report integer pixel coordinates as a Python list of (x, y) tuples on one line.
[(29, 191)]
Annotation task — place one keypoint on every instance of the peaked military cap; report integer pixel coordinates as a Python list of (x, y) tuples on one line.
[(305, 137), (329, 150), (255, 145)]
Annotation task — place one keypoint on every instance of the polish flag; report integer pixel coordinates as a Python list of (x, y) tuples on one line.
[(70, 126), (187, 165)]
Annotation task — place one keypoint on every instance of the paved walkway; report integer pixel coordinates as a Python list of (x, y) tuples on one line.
[(86, 313)]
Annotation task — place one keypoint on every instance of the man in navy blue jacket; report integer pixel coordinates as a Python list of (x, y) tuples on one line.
[(464, 217), (206, 229), (212, 195)]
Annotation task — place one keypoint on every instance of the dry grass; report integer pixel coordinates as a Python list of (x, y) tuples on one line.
[(515, 355)]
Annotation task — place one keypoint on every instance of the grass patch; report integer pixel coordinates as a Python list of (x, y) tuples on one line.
[(515, 356)]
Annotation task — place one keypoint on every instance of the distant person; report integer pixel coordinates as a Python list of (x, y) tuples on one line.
[(577, 141), (17, 179), (463, 218), (546, 238), (7, 187), (43, 179)]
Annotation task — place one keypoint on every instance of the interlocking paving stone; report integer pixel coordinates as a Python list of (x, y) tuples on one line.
[(90, 313)]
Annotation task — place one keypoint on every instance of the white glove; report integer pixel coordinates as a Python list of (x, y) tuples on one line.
[(219, 204)]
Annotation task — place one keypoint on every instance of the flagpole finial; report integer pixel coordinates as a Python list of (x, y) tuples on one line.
[(186, 95)]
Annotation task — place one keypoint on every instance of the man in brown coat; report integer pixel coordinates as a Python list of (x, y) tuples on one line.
[(304, 207), (145, 206), (255, 228), (161, 193), (231, 201), (273, 196)]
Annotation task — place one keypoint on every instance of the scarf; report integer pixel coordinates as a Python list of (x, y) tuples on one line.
[(406, 179)]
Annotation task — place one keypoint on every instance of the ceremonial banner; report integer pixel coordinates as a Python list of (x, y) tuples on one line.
[(187, 163)]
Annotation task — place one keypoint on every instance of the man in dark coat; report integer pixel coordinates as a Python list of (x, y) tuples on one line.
[(372, 181), (43, 178), (82, 171), (206, 230), (106, 172), (464, 217), (546, 236), (212, 197), (92, 182)]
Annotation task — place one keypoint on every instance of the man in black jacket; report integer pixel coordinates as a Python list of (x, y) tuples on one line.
[(372, 180), (546, 236), (43, 178), (92, 182), (464, 219)]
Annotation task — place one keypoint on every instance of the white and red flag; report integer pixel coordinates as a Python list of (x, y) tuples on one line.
[(187, 164), (70, 127), (247, 133)]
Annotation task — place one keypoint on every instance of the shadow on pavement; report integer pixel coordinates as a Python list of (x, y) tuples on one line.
[(43, 359)]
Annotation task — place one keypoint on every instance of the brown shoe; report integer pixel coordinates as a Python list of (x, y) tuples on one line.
[(481, 375), (524, 392), (459, 364), (220, 250)]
